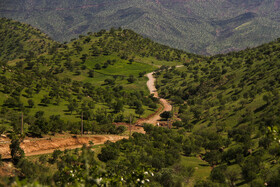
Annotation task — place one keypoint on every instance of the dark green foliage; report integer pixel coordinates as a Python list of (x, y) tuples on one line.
[(2, 129), (21, 41), (91, 73), (178, 124), (204, 183), (156, 151), (148, 128), (16, 152), (40, 125), (140, 111), (33, 171), (30, 103), (120, 129), (166, 114), (251, 168), (213, 157), (131, 79), (218, 174), (108, 153)]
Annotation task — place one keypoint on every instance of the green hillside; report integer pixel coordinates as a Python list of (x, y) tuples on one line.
[(19, 40), (230, 102), (100, 75), (201, 27), (224, 88), (225, 122)]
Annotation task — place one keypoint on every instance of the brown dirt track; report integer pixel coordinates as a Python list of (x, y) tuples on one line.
[(48, 145), (154, 118), (32, 146)]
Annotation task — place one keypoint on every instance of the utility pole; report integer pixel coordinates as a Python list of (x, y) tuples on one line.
[(169, 123), (172, 116), (130, 126), (21, 128), (82, 125)]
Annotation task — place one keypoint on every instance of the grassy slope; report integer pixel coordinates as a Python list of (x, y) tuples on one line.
[(238, 78), (129, 53), (228, 92)]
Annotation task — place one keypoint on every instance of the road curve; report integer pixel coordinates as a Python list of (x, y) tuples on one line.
[(166, 106)]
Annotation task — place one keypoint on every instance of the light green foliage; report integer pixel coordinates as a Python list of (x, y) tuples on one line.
[(228, 106), (58, 83), (232, 103)]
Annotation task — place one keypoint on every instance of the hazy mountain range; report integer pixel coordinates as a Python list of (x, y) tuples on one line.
[(199, 26)]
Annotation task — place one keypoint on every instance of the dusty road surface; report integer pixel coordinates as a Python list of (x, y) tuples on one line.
[(153, 119), (44, 146)]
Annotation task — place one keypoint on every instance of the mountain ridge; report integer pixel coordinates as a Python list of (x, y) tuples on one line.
[(189, 25)]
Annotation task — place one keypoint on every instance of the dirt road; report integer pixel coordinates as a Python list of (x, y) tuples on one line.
[(44, 146), (166, 106)]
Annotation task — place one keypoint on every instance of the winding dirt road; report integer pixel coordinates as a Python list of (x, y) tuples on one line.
[(45, 146), (153, 119)]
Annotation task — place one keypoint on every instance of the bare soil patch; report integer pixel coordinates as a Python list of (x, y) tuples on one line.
[(48, 145)]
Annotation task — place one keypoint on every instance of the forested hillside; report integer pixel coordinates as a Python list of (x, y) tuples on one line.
[(99, 76), (224, 125), (19, 40), (236, 97), (201, 27)]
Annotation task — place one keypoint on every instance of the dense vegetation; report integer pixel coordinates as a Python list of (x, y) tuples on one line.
[(228, 106), (143, 160), (18, 40), (202, 27), (236, 97), (98, 77)]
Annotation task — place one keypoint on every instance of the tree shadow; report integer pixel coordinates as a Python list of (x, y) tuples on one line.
[(204, 165), (261, 108), (44, 105), (241, 183)]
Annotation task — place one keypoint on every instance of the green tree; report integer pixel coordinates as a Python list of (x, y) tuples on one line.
[(17, 152), (91, 73), (73, 105), (213, 157), (218, 174), (45, 101), (166, 114), (140, 111), (178, 124), (97, 66), (30, 103), (109, 81), (109, 152), (131, 79), (250, 168), (118, 106), (232, 175)]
